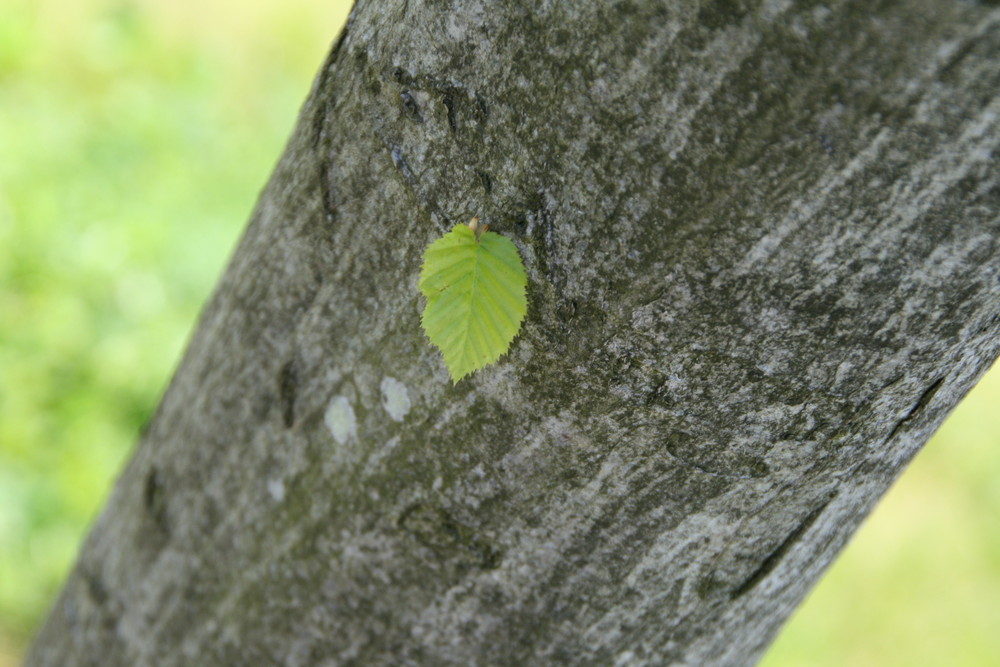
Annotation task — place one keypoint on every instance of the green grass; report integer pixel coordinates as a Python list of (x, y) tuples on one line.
[(134, 138)]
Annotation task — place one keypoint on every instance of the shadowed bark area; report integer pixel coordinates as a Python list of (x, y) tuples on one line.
[(762, 248)]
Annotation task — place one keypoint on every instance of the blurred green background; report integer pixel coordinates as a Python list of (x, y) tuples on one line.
[(134, 138)]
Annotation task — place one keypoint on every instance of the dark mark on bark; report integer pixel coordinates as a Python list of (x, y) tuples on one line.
[(520, 223), (673, 443), (485, 179), (449, 104), (319, 120), (435, 528), (542, 228), (154, 499), (774, 558), (484, 111), (110, 608), (95, 587), (892, 381), (326, 194), (921, 403), (827, 145), (410, 108), (400, 163), (721, 13), (288, 383), (957, 57)]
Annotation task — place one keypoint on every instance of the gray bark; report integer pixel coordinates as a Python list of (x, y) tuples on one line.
[(762, 247)]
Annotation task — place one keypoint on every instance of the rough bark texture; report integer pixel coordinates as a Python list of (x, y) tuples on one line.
[(762, 244)]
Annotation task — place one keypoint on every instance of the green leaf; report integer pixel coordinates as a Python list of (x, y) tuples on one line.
[(476, 301)]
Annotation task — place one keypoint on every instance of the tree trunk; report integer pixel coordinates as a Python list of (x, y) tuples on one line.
[(762, 247)]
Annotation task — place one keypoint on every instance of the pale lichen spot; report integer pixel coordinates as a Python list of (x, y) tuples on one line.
[(276, 488), (340, 420), (395, 398)]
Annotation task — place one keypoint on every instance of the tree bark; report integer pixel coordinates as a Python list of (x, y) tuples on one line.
[(762, 247)]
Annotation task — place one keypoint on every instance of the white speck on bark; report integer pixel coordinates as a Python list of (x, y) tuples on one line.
[(340, 420), (276, 488), (395, 398)]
